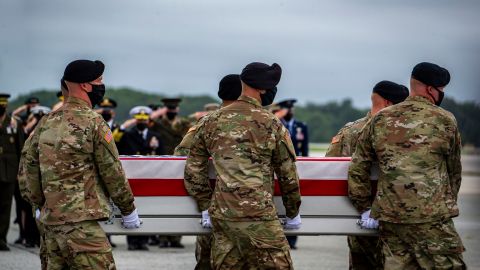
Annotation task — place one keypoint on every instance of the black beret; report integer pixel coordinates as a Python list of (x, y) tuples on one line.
[(261, 76), (31, 100), (82, 71), (431, 74), (391, 91), (230, 87), (108, 103), (287, 103), (171, 103)]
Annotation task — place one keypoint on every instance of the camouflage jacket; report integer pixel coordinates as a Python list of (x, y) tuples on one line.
[(247, 144), (343, 144), (417, 145), (70, 167)]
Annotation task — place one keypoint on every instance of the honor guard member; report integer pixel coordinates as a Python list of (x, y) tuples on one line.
[(11, 143), (299, 134), (71, 170), (298, 130), (417, 145), (364, 250), (247, 144), (229, 90), (140, 140)]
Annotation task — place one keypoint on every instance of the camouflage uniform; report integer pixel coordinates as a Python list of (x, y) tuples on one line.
[(70, 170), (417, 145), (11, 143), (364, 250), (203, 242), (247, 144)]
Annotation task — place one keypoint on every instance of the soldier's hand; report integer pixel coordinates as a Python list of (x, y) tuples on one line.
[(206, 222), (159, 113), (132, 221), (366, 222), (128, 123), (292, 223), (37, 214)]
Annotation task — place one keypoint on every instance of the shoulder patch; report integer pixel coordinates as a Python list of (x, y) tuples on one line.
[(108, 136)]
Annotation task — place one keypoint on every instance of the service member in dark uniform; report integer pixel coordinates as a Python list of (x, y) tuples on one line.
[(107, 111), (299, 134), (11, 143), (298, 130), (140, 140)]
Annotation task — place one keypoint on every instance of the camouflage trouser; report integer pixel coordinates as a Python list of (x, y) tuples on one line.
[(202, 252), (249, 245), (43, 248), (365, 252), (434, 245), (81, 245)]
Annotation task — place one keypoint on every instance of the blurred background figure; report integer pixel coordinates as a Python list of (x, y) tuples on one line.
[(107, 110), (59, 104), (12, 138), (209, 107), (299, 135), (171, 128), (24, 111), (36, 113), (140, 140)]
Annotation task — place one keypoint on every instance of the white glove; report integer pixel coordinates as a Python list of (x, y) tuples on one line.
[(206, 223), (131, 221), (367, 222), (37, 214), (292, 223)]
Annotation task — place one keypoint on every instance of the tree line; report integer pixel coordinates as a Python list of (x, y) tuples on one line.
[(323, 120)]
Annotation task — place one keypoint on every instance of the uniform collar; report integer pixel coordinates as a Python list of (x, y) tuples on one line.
[(250, 100), (419, 99), (75, 100)]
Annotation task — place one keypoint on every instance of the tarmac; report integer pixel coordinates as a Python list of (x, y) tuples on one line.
[(314, 252)]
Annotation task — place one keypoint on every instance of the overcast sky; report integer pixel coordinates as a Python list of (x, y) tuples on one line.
[(329, 50)]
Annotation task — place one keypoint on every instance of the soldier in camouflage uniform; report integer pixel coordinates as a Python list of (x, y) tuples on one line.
[(229, 90), (417, 145), (247, 144), (11, 143), (365, 250), (70, 169)]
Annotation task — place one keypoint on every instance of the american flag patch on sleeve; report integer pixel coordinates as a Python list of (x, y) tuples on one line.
[(108, 136)]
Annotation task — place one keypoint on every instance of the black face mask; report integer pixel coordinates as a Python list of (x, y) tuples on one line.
[(141, 126), (107, 116), (171, 115), (440, 97), (96, 96), (288, 116), (268, 97), (2, 110)]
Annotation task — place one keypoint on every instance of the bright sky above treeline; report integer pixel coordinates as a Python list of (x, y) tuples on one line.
[(329, 50)]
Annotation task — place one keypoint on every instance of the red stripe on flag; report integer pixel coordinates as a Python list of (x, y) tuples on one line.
[(174, 187)]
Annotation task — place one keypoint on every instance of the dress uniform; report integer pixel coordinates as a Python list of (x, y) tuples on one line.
[(417, 145), (364, 250), (11, 143), (247, 144), (140, 140), (69, 172)]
